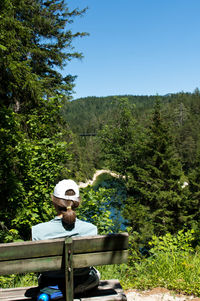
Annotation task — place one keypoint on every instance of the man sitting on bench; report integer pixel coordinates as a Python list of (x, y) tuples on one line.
[(65, 199)]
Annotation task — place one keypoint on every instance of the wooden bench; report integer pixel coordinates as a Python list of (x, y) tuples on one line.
[(64, 254)]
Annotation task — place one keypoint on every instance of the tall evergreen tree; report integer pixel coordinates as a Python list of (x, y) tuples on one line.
[(120, 139), (35, 41), (157, 200), (194, 194)]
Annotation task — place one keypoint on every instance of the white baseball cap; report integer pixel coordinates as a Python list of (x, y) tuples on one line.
[(63, 186)]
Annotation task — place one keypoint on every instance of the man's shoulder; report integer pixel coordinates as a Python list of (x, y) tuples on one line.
[(42, 225), (40, 229), (86, 228), (85, 223)]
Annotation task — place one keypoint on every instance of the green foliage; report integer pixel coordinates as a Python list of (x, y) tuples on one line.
[(34, 40), (181, 242), (94, 113), (85, 158), (94, 208), (173, 265), (119, 140), (169, 271), (194, 194), (117, 194), (138, 217), (157, 202), (39, 180), (36, 160), (135, 254), (20, 280), (7, 235), (181, 110), (116, 271), (35, 142)]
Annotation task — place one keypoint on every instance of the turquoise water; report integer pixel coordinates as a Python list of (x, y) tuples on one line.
[(116, 199)]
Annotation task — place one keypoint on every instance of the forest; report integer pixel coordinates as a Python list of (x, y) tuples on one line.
[(151, 142)]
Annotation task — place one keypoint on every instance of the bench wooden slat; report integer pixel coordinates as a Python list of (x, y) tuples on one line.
[(100, 258), (108, 290), (55, 247), (100, 243), (56, 262), (31, 265)]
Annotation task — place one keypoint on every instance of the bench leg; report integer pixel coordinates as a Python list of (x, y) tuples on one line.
[(69, 285)]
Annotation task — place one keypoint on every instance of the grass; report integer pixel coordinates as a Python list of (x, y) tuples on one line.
[(21, 280), (175, 271), (179, 272), (116, 271)]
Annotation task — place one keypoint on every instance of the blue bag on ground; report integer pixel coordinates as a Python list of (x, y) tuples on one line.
[(51, 292)]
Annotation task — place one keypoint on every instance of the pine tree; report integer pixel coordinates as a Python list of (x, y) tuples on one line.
[(119, 140), (155, 185), (35, 42), (194, 194)]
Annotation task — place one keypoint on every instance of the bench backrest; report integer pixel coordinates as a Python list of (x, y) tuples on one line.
[(64, 254), (47, 255)]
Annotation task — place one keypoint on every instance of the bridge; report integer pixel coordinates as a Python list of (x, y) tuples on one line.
[(87, 134)]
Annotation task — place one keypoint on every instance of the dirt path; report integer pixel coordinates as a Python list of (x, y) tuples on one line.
[(157, 294)]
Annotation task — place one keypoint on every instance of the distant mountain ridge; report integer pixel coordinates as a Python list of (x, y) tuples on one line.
[(89, 114), (181, 112)]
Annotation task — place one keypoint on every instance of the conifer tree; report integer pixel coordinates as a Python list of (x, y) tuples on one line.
[(157, 201), (119, 140), (35, 42), (194, 194)]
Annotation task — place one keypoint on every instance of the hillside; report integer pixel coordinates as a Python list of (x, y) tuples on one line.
[(94, 112), (181, 111)]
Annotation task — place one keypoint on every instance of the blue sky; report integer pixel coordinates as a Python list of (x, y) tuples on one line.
[(136, 47)]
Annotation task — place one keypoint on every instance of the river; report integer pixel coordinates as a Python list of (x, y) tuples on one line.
[(109, 180)]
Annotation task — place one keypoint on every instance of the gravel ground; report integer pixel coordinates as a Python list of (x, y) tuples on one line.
[(157, 294)]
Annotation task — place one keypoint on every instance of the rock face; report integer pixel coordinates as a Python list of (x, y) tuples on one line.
[(97, 173)]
